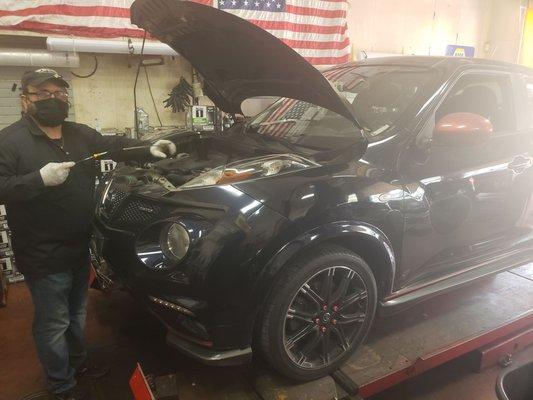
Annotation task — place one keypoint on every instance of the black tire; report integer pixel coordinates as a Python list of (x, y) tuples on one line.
[(327, 267)]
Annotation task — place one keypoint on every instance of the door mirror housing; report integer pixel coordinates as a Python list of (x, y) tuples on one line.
[(462, 129)]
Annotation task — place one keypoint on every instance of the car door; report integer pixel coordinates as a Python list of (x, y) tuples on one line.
[(466, 201), (524, 181)]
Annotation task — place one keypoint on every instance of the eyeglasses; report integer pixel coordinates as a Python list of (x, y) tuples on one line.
[(45, 94)]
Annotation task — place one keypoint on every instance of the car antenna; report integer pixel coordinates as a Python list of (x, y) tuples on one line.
[(136, 118)]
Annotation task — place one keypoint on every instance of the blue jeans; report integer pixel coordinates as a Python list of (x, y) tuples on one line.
[(60, 302)]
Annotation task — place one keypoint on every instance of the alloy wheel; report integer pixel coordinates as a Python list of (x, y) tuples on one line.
[(325, 317)]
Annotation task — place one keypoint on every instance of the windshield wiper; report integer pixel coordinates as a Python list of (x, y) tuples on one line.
[(281, 121), (268, 140)]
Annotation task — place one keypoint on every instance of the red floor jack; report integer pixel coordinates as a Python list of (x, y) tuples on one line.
[(147, 387)]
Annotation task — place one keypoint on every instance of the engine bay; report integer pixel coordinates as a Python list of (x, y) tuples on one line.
[(195, 157), (186, 166), (214, 160)]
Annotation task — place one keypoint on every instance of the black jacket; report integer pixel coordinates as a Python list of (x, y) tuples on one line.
[(50, 225)]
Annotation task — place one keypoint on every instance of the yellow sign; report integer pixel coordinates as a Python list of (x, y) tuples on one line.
[(526, 57), (459, 52)]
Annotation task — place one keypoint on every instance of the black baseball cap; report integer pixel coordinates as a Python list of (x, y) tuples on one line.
[(41, 75)]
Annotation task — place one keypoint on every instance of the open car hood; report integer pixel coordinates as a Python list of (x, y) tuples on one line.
[(237, 59)]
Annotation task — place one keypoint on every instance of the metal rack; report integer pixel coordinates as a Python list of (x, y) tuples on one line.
[(7, 259)]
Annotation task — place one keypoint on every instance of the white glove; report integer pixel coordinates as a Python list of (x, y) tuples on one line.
[(54, 174), (161, 148)]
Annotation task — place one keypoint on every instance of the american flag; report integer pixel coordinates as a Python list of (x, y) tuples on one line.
[(286, 120), (314, 28), (256, 5)]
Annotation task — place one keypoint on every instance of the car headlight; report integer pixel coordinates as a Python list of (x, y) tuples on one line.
[(175, 242), (251, 169)]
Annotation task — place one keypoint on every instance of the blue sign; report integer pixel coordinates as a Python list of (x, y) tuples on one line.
[(460, 51)]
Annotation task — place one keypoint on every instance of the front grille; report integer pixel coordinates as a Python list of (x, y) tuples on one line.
[(138, 211), (123, 208), (113, 200)]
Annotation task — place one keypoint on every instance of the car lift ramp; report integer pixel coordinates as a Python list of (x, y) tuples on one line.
[(426, 336), (491, 315)]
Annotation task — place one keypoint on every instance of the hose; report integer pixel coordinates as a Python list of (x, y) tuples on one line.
[(152, 96), (136, 117), (92, 72)]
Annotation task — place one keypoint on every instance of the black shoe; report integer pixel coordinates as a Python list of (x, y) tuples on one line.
[(92, 371), (76, 393)]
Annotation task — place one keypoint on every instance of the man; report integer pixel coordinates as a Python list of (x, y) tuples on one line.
[(49, 202)]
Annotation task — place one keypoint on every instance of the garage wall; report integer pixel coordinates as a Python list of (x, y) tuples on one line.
[(417, 26), (108, 95), (506, 27), (494, 27), (425, 27)]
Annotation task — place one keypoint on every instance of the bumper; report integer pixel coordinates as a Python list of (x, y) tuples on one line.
[(198, 349), (209, 356), (207, 300)]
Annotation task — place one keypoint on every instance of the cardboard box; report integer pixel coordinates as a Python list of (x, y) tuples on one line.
[(4, 239), (6, 264), (15, 277), (6, 252)]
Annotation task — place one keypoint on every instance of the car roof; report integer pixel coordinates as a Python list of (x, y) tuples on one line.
[(448, 63)]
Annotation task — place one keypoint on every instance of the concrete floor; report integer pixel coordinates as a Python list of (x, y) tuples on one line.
[(119, 334)]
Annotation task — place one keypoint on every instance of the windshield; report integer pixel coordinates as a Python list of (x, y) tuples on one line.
[(378, 95)]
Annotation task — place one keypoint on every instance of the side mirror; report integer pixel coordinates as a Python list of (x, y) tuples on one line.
[(462, 129)]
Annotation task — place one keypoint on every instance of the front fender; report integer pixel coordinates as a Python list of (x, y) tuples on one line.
[(344, 232)]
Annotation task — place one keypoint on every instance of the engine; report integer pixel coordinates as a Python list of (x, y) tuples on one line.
[(186, 166)]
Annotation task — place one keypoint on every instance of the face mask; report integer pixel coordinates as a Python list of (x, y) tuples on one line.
[(50, 112)]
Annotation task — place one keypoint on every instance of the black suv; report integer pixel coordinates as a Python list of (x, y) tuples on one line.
[(366, 188)]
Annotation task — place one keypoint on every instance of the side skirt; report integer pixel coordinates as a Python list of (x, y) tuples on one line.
[(408, 297)]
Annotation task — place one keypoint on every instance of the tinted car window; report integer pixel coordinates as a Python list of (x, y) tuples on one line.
[(490, 96), (379, 96)]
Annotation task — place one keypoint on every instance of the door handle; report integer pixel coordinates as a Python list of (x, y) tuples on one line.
[(520, 164)]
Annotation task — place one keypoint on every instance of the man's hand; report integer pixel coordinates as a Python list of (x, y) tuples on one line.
[(162, 148), (54, 174)]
